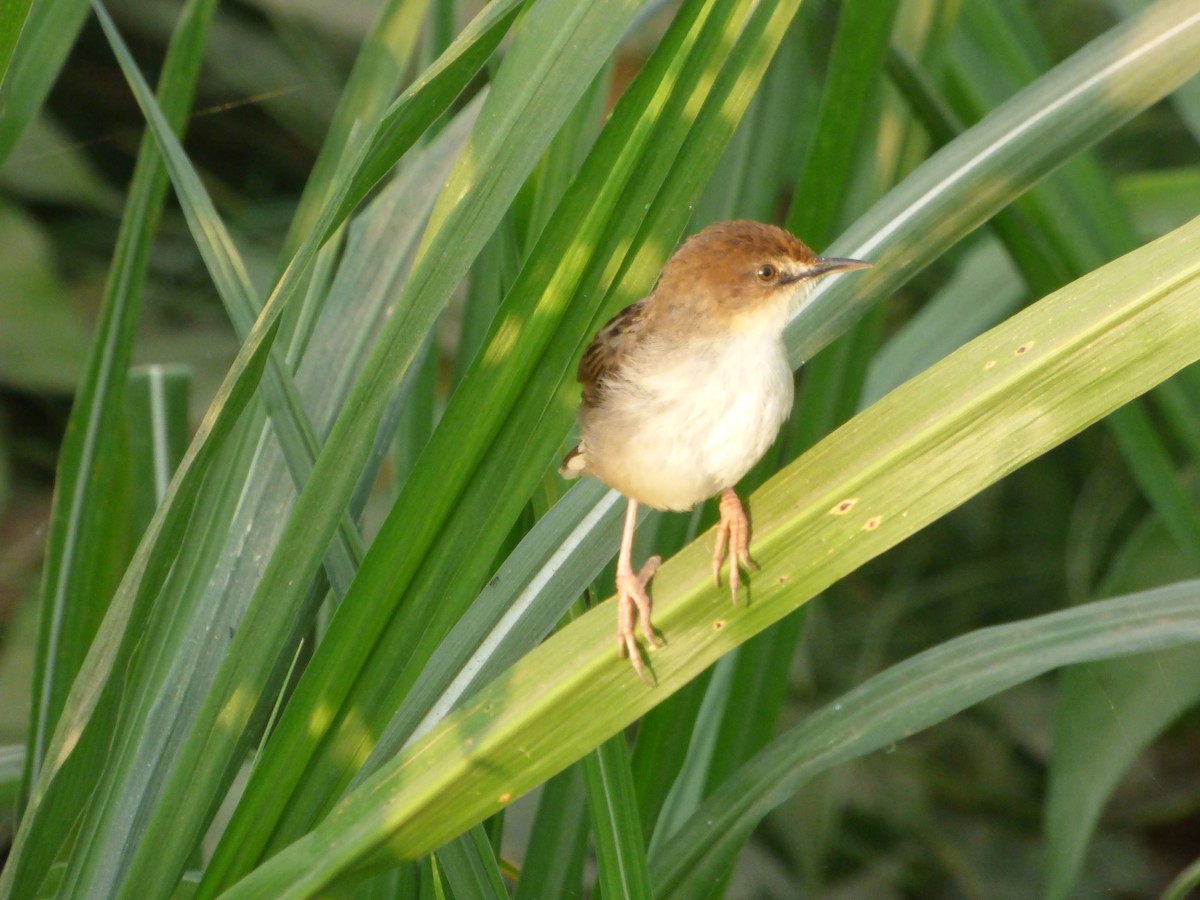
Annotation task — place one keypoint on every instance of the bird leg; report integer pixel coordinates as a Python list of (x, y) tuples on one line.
[(632, 599), (734, 527)]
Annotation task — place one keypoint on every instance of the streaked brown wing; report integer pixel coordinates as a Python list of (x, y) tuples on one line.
[(611, 346)]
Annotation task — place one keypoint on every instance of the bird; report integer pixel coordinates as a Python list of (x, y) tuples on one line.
[(684, 391)]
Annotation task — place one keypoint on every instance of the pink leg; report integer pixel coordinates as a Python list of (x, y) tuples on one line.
[(632, 597), (735, 527)]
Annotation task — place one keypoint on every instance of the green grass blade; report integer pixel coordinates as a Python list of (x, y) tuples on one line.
[(385, 53), (1154, 472), (1097, 89), (12, 763), (612, 805), (962, 425), (659, 755), (357, 302), (912, 696), (695, 771), (554, 858), (985, 289), (156, 408), (12, 20), (470, 867), (292, 427), (72, 593), (1078, 217), (514, 612), (859, 49), (1108, 713), (1184, 884), (42, 41), (426, 99)]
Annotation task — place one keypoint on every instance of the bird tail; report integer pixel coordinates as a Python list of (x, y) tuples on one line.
[(574, 463)]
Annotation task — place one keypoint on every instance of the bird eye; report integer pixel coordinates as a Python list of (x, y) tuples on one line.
[(767, 273)]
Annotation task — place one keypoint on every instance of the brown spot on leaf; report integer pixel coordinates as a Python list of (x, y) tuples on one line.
[(844, 507), (872, 523)]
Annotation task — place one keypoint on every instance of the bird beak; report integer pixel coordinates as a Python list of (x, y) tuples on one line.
[(827, 265)]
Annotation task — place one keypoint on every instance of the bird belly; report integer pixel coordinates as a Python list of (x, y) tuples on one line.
[(692, 425)]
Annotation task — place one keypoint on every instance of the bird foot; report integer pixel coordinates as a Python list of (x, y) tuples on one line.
[(633, 602), (733, 528)]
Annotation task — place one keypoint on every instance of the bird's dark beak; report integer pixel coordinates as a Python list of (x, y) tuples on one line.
[(827, 265)]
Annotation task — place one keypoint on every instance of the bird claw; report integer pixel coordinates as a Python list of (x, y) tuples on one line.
[(733, 528), (634, 602)]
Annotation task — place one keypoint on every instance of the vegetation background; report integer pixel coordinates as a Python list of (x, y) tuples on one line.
[(315, 660)]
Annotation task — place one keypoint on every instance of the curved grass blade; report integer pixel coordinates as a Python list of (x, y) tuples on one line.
[(38, 43), (75, 539), (1099, 88), (1109, 711), (470, 866), (616, 830), (12, 20), (912, 696), (385, 53), (292, 427)]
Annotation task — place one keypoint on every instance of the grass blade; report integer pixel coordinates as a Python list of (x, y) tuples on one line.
[(38, 44), (912, 696), (620, 851)]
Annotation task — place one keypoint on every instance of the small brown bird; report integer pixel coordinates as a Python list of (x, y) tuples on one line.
[(686, 389)]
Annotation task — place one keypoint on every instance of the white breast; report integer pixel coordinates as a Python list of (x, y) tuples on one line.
[(684, 427)]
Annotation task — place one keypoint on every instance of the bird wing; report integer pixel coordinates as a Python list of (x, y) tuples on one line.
[(610, 349)]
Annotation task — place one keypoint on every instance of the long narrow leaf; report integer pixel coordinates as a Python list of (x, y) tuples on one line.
[(38, 44), (75, 535), (293, 429), (912, 696)]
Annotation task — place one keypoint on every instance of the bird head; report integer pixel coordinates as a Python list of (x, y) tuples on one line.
[(742, 273)]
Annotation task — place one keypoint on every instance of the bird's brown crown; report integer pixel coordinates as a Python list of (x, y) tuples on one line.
[(735, 266)]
